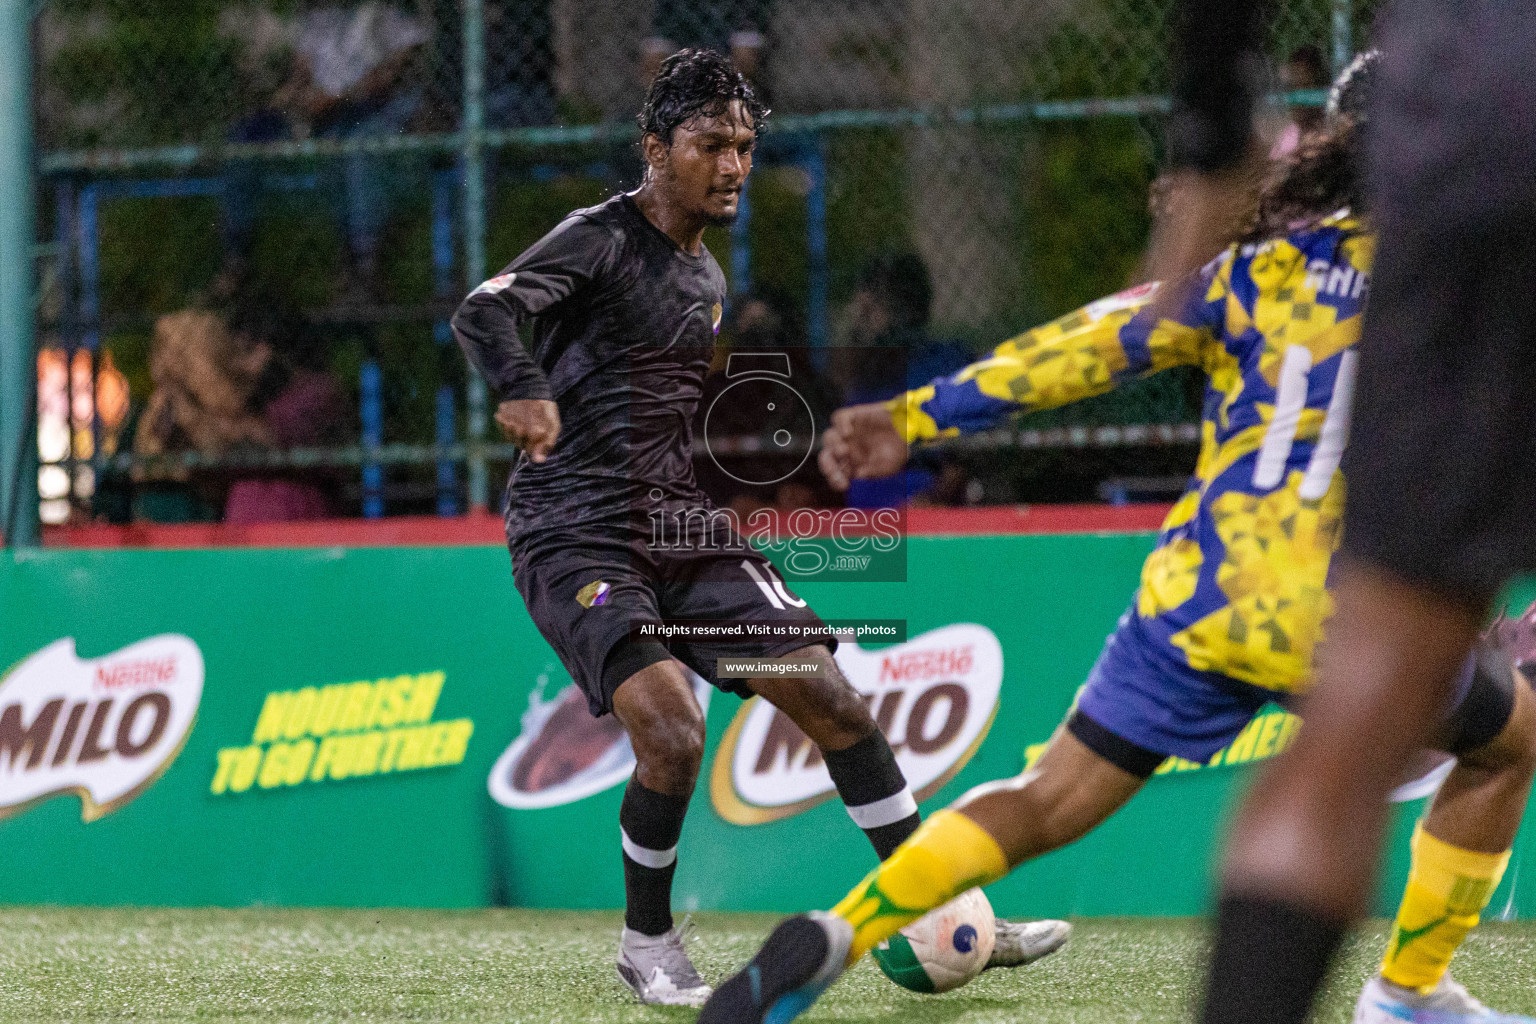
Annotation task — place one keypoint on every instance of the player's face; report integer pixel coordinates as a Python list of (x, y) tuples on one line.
[(708, 164)]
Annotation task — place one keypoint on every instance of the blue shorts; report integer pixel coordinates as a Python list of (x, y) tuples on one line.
[(1140, 692)]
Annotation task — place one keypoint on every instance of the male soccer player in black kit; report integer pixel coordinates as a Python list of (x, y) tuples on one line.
[(624, 301), (1442, 472)]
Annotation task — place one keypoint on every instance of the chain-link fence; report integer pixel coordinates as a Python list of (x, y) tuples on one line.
[(276, 204)]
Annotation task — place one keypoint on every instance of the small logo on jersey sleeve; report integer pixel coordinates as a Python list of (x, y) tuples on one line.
[(593, 594), (495, 285), (1128, 299)]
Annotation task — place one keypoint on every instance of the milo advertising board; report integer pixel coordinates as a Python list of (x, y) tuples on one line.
[(386, 727), (103, 729), (934, 697)]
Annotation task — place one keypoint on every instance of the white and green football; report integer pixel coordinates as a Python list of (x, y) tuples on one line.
[(942, 950)]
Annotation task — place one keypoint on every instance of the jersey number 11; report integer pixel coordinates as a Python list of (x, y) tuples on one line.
[(1290, 401)]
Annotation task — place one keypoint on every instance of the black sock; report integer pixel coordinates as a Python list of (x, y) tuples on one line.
[(650, 822), (875, 792), (1269, 959)]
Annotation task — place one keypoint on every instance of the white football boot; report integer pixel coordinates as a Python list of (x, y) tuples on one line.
[(1382, 1002), (1023, 942), (657, 969)]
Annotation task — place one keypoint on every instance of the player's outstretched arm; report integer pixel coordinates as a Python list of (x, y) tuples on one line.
[(1205, 211), (1213, 150), (1085, 353)]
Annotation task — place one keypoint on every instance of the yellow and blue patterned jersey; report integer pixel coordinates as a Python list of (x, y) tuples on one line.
[(1236, 584)]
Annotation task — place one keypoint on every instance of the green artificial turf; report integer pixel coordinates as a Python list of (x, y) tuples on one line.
[(265, 965)]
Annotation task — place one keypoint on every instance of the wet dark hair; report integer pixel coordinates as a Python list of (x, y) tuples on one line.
[(1323, 174), (1320, 177), (693, 84)]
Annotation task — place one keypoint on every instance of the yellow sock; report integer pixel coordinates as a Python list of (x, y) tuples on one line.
[(1448, 887), (949, 854)]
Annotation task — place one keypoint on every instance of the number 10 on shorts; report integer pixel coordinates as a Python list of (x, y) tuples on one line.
[(772, 587)]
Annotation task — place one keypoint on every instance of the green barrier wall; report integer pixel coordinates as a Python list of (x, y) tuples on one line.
[(440, 661)]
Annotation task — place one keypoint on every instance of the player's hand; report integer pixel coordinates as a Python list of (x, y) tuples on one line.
[(533, 424), (1202, 214), (861, 444)]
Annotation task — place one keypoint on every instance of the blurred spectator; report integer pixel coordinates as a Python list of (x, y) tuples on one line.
[(203, 381), (203, 384), (263, 43), (301, 405), (888, 350), (727, 26), (348, 78), (357, 61), (218, 391), (240, 201), (519, 64), (1305, 68), (519, 74)]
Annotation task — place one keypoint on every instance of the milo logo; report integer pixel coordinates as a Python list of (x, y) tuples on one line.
[(103, 728), (934, 698)]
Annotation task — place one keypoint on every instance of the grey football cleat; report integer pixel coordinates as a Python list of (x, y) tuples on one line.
[(1023, 942), (656, 968), (1382, 1002)]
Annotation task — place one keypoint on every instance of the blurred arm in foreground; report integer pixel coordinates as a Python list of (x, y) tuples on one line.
[(1214, 153)]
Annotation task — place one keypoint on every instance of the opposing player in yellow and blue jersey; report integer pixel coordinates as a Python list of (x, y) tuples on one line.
[(1231, 605)]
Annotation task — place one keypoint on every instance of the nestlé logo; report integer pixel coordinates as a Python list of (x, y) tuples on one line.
[(103, 728)]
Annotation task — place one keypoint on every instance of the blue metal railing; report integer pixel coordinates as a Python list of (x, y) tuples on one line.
[(79, 240)]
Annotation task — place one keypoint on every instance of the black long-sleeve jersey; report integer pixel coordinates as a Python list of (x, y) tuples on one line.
[(623, 331)]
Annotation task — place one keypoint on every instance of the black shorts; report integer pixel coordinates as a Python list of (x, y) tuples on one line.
[(1442, 458), (585, 587)]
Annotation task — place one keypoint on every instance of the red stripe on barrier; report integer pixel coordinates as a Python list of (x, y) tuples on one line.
[(1026, 519), (435, 531)]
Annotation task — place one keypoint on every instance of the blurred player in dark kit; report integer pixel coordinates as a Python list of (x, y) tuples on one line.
[(624, 301)]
